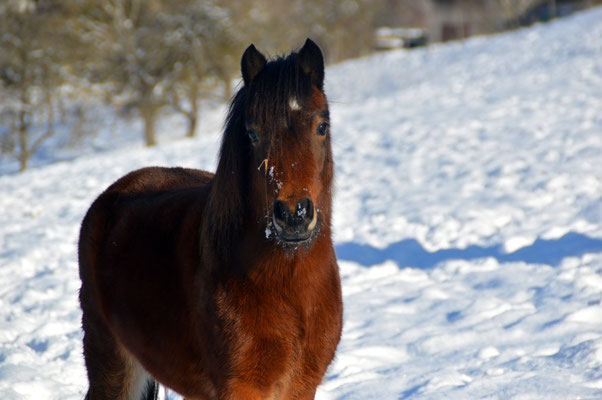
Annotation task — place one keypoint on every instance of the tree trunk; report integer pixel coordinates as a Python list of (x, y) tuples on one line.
[(23, 153), (193, 98), (149, 116), (192, 121), (227, 88), (22, 129)]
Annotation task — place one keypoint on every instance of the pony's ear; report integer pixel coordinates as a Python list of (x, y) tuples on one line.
[(312, 62), (251, 64)]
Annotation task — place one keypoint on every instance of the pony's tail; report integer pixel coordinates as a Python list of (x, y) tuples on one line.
[(152, 391)]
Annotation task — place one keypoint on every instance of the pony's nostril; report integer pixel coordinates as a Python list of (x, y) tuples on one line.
[(305, 209), (281, 213)]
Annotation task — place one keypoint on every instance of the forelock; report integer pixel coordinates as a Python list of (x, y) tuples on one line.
[(279, 89)]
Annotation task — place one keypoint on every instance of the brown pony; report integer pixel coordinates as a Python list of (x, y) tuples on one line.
[(222, 286)]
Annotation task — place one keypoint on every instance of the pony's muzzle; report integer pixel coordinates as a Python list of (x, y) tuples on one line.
[(295, 225)]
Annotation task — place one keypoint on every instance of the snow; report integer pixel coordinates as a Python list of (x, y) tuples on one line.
[(468, 225)]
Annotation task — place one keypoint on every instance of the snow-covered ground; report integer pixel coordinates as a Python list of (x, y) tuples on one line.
[(468, 222)]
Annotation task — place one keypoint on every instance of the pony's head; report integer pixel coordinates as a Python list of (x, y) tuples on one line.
[(279, 125)]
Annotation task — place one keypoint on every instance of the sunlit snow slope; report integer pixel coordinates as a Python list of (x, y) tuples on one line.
[(468, 222)]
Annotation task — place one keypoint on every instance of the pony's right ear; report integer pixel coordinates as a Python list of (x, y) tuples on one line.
[(251, 64), (312, 62)]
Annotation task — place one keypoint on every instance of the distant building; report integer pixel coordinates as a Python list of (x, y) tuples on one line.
[(443, 20)]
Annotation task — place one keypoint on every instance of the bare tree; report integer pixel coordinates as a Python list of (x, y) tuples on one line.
[(203, 44), (134, 54), (30, 74)]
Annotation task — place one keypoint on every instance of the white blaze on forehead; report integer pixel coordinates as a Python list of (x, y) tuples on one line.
[(293, 103)]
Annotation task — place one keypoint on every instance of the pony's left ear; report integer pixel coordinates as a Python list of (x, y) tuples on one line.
[(312, 62), (251, 64)]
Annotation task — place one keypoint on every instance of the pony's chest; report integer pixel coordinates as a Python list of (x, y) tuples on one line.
[(272, 364), (271, 328), (267, 338)]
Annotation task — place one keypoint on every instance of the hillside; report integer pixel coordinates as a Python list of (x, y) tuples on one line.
[(468, 225)]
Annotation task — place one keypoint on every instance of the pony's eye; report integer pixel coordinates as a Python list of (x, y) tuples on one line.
[(322, 129), (253, 136)]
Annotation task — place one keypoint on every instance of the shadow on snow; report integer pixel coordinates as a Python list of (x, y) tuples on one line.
[(410, 252)]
